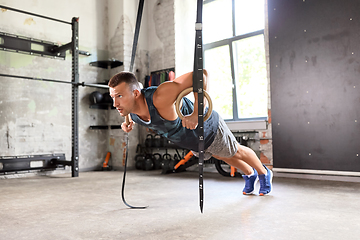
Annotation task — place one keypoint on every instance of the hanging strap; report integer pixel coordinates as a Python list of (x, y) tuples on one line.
[(136, 37), (198, 86)]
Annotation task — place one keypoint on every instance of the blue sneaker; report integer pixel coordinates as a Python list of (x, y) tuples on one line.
[(250, 183), (265, 182)]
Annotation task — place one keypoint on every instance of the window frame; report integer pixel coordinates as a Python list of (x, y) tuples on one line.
[(229, 42)]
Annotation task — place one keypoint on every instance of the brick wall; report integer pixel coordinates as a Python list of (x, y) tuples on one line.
[(162, 16)]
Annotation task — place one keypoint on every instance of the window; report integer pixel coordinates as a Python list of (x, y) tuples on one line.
[(234, 53)]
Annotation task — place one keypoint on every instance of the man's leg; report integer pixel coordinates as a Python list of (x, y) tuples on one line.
[(246, 160)]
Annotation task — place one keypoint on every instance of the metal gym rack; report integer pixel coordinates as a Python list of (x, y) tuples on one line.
[(20, 44)]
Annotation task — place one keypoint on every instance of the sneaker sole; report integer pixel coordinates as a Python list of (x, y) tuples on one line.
[(251, 193), (271, 178)]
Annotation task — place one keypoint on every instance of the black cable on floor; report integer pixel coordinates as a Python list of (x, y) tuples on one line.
[(136, 36), (123, 182)]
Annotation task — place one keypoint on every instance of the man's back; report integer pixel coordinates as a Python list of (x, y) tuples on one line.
[(173, 130)]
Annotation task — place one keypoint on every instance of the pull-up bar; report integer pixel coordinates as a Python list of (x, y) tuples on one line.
[(56, 81), (33, 14)]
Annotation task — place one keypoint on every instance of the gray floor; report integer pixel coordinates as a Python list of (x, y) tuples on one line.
[(90, 207)]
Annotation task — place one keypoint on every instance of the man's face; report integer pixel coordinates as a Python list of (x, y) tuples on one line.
[(123, 98)]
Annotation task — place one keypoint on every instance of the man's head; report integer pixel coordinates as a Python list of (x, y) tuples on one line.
[(127, 77), (124, 89)]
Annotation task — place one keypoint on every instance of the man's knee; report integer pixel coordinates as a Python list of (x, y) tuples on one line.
[(243, 152)]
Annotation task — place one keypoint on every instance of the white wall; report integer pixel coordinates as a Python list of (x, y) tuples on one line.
[(185, 18), (161, 34)]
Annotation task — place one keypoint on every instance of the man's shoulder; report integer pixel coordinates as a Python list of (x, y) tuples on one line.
[(148, 91), (151, 88)]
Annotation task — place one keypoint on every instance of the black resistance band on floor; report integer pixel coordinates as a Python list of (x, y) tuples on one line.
[(136, 36)]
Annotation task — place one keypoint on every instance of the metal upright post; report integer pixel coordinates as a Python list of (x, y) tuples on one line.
[(75, 98)]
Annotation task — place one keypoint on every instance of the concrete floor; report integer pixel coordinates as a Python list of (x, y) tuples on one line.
[(90, 207)]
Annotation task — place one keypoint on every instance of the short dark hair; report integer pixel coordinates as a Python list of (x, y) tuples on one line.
[(128, 77)]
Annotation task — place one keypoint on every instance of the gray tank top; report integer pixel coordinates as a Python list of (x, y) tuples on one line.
[(173, 130)]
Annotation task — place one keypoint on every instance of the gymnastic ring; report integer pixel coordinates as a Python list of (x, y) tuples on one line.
[(186, 92)]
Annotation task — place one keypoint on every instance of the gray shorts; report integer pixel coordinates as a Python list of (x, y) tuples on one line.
[(224, 144)]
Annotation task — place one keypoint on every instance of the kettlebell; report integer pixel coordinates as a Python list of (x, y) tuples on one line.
[(148, 163), (139, 161), (157, 160), (158, 141), (149, 141), (166, 164)]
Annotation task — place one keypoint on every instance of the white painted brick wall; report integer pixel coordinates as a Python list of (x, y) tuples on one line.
[(163, 16)]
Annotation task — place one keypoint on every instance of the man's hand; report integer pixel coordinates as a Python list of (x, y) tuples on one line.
[(127, 128), (190, 121)]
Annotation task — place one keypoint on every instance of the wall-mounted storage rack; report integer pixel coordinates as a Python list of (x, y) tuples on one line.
[(36, 47)]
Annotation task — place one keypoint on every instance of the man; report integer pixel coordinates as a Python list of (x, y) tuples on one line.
[(154, 107)]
